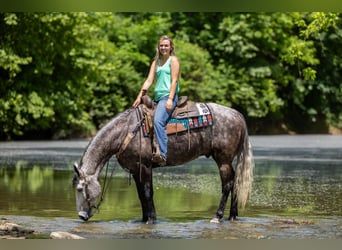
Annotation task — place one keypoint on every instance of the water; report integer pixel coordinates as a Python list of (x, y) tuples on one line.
[(296, 194)]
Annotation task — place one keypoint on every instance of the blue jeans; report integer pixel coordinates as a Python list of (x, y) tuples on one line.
[(161, 117)]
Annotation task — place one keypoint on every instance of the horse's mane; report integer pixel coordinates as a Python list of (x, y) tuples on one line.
[(100, 140)]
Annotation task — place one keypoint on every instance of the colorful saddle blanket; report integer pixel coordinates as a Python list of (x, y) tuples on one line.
[(198, 116)]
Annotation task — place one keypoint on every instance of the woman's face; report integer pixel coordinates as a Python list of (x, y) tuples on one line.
[(165, 47)]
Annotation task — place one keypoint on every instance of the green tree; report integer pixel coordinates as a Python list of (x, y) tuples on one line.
[(65, 74), (317, 99), (269, 61), (60, 74)]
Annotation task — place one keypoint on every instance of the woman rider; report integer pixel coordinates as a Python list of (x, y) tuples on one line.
[(165, 70)]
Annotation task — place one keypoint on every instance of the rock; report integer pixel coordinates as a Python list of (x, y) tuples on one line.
[(65, 235), (13, 231), (8, 228)]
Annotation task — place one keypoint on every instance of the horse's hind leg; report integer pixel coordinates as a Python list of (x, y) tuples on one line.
[(233, 206), (144, 186), (227, 181)]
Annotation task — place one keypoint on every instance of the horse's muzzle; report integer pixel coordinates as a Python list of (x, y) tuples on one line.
[(83, 215)]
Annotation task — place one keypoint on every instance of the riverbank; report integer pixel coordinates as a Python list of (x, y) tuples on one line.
[(11, 230), (244, 228)]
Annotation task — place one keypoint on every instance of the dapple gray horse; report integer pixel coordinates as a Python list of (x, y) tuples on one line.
[(227, 139)]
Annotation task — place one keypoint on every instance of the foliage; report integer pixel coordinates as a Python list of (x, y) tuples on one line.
[(65, 74)]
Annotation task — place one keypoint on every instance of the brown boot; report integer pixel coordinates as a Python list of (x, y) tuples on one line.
[(159, 159)]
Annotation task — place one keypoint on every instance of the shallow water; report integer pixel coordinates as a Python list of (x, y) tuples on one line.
[(295, 197)]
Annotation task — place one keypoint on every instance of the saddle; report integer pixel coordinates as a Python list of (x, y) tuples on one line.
[(187, 115)]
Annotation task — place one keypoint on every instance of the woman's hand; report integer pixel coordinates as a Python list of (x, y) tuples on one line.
[(169, 105), (137, 101)]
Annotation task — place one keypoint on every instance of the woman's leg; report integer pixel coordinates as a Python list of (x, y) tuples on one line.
[(161, 117)]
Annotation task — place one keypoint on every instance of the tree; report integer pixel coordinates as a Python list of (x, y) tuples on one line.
[(66, 74), (269, 61)]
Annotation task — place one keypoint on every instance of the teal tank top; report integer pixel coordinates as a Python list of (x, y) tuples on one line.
[(163, 85)]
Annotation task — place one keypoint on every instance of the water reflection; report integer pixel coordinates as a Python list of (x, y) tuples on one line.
[(298, 189), (188, 193), (20, 179), (33, 190), (43, 191)]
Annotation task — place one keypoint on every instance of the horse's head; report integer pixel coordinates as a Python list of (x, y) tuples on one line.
[(87, 190)]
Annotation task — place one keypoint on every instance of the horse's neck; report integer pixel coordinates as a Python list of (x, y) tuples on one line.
[(106, 143)]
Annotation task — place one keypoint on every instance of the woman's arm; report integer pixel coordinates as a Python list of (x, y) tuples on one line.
[(174, 79), (148, 82)]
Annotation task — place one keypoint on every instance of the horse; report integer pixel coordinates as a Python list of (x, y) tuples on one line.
[(226, 141)]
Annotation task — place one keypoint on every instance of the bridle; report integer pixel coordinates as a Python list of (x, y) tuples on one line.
[(103, 191), (122, 148), (105, 185)]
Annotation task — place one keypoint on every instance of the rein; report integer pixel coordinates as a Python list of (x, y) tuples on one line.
[(106, 182), (123, 146), (105, 186), (129, 137)]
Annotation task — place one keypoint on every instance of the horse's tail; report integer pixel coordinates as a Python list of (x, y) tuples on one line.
[(244, 172)]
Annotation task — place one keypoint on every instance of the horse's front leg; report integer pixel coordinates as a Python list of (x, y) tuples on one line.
[(227, 181), (144, 186)]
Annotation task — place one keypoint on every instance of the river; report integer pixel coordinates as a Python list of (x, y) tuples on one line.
[(297, 193)]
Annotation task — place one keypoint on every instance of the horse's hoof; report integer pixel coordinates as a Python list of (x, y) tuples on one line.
[(232, 218), (215, 220), (150, 222)]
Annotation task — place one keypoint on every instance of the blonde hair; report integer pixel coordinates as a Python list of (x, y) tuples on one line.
[(165, 37)]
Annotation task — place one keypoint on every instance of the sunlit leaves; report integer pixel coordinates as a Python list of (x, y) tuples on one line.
[(68, 73), (12, 63), (318, 22)]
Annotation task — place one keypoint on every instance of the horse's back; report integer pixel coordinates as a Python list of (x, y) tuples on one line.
[(229, 129), (225, 115)]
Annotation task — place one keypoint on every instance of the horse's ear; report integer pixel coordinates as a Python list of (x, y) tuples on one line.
[(76, 169)]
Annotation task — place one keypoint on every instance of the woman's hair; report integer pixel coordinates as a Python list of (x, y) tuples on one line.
[(165, 37)]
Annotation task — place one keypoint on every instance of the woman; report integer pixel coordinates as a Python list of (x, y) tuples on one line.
[(165, 71)]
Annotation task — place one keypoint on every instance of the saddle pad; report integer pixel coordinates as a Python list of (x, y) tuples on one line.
[(202, 119), (179, 125)]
